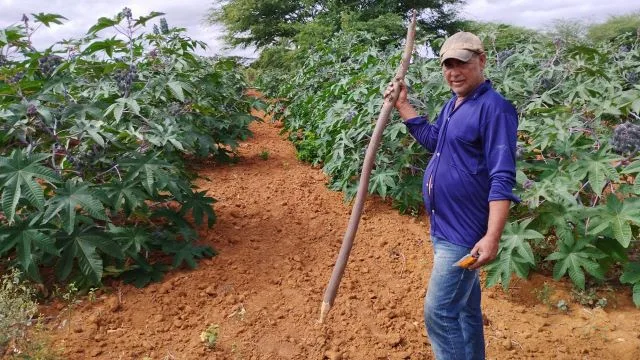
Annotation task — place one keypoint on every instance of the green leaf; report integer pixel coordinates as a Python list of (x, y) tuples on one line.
[(142, 20), (108, 46), (575, 260), (18, 174), (103, 23), (616, 218), (188, 253), (119, 194), (74, 197), (176, 89), (631, 273), (47, 19), (147, 169), (82, 246), (382, 181), (200, 206), (141, 277), (131, 239), (30, 243), (514, 255)]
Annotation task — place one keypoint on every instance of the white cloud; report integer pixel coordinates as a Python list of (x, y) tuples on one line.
[(82, 15), (538, 14)]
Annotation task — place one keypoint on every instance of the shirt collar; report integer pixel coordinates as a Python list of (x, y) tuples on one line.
[(478, 91)]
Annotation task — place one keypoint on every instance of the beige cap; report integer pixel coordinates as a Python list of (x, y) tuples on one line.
[(461, 46)]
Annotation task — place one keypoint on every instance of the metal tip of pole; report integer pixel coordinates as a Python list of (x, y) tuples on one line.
[(324, 310)]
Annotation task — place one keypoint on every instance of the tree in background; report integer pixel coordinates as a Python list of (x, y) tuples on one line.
[(615, 26), (264, 23)]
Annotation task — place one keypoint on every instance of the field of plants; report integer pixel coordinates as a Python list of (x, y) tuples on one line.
[(116, 147), (95, 136), (578, 145)]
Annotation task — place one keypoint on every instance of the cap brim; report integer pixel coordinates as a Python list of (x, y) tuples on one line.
[(461, 54)]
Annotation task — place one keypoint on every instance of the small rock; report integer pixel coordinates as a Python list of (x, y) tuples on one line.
[(211, 291), (507, 344), (113, 304), (97, 352), (165, 288), (394, 340), (333, 355)]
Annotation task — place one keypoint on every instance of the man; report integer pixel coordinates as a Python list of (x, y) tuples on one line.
[(467, 191)]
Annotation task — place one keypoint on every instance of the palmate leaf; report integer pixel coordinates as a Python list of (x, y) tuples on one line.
[(46, 19), (382, 181), (128, 195), (515, 254), (130, 239), (557, 189), (142, 276), (74, 197), (200, 205), (147, 170), (616, 218), (185, 252), (18, 174), (631, 275), (575, 260), (597, 168), (82, 246), (28, 238), (142, 20)]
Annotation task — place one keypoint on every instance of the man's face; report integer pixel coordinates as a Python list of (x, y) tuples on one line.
[(464, 77)]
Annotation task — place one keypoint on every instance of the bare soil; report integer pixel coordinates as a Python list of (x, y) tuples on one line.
[(278, 233)]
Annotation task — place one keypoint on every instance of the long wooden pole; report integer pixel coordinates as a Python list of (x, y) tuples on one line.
[(363, 186)]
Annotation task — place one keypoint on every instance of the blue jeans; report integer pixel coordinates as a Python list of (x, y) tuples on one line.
[(452, 311)]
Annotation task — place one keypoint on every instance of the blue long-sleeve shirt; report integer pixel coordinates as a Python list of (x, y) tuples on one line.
[(473, 163)]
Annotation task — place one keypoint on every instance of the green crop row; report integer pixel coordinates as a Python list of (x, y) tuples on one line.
[(578, 142), (95, 134)]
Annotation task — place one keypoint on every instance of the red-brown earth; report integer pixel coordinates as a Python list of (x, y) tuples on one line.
[(278, 232)]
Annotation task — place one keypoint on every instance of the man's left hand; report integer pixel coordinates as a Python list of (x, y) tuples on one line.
[(486, 250)]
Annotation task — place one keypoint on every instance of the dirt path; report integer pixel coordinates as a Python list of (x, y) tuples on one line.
[(278, 233)]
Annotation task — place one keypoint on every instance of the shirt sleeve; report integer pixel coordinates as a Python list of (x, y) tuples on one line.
[(425, 133), (500, 138)]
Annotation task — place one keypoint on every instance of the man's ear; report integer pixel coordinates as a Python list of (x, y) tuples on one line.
[(483, 59)]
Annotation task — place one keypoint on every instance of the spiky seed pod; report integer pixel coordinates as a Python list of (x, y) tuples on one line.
[(632, 77), (164, 27), (32, 111), (504, 55), (528, 184), (16, 78), (156, 30), (519, 151), (547, 83), (48, 64), (126, 12), (124, 79), (626, 138), (350, 115)]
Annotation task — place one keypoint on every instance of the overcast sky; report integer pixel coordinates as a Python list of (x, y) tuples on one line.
[(82, 14)]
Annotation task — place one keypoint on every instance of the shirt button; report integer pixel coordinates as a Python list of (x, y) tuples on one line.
[(433, 211), (437, 154)]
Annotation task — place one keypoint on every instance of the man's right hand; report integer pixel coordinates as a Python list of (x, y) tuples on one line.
[(405, 109)]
